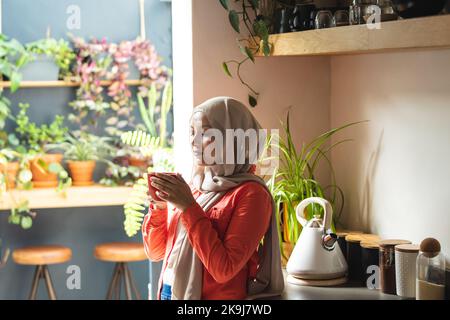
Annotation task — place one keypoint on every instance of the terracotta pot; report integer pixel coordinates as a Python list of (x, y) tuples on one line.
[(139, 162), (42, 178), (10, 169), (81, 172)]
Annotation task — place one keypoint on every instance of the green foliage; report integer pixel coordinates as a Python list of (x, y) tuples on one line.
[(12, 56), (60, 50), (135, 207), (166, 103), (35, 137), (22, 215), (255, 16), (148, 112), (139, 139), (118, 174), (83, 148), (295, 179)]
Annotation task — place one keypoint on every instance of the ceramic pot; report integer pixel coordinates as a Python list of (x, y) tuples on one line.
[(42, 178), (82, 172), (10, 169)]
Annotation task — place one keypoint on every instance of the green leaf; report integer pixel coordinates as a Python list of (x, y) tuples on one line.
[(234, 20), (54, 167), (15, 81), (266, 48), (252, 101), (226, 70), (224, 4), (13, 140), (247, 52), (26, 222)]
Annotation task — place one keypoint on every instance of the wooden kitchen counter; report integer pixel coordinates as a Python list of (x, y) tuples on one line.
[(344, 292)]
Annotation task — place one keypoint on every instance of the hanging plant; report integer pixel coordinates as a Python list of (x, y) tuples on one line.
[(255, 17), (12, 56)]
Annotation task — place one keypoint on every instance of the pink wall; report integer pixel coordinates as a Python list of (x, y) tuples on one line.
[(396, 173), (302, 83)]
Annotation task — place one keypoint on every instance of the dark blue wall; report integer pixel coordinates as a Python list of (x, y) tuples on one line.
[(79, 228)]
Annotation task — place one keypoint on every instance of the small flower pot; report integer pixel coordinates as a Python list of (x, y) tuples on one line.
[(42, 68), (42, 178), (142, 163), (82, 172), (10, 169)]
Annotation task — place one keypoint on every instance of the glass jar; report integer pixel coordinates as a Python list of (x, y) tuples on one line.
[(324, 19), (430, 271)]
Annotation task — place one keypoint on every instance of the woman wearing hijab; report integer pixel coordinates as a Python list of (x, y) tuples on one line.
[(220, 239)]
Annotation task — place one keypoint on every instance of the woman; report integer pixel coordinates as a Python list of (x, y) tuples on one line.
[(211, 243)]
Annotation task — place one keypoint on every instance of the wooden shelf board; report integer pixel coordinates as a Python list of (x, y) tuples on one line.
[(58, 84), (420, 33), (92, 196)]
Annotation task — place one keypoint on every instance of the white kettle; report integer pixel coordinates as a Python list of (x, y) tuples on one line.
[(316, 255)]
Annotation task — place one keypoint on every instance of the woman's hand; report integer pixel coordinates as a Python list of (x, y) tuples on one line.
[(173, 189)]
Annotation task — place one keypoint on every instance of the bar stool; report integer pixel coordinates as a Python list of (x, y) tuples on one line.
[(41, 257), (121, 253)]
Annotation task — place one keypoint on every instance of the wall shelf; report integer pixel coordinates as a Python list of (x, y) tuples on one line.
[(59, 84), (92, 196), (420, 33)]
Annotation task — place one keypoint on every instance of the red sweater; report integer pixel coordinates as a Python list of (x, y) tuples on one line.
[(225, 238)]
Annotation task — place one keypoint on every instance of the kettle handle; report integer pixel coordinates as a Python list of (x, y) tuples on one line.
[(328, 211)]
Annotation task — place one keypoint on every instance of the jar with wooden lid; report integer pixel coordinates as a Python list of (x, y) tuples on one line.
[(369, 261), (387, 264), (405, 269), (430, 271), (341, 234), (354, 259)]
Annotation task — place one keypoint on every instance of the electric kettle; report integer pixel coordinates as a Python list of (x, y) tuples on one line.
[(316, 255)]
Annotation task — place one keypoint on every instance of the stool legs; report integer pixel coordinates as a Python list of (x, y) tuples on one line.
[(121, 270), (131, 282), (34, 285), (41, 271), (49, 284)]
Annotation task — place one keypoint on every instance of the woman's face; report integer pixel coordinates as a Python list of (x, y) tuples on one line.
[(199, 140)]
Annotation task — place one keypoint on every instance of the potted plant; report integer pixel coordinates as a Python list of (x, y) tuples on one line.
[(81, 154), (9, 168), (295, 180), (45, 167), (158, 147), (12, 56), (48, 58)]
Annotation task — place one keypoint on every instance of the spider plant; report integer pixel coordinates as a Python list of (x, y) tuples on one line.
[(295, 180)]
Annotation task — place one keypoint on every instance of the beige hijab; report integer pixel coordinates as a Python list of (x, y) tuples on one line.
[(214, 181)]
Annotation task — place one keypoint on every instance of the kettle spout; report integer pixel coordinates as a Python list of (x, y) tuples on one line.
[(328, 241)]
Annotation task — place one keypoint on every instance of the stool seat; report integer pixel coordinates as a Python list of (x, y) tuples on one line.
[(120, 252), (42, 255)]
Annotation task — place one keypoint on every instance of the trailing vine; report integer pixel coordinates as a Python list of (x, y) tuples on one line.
[(255, 16)]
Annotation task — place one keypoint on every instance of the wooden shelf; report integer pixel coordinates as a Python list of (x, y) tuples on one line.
[(58, 84), (92, 196), (419, 33)]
